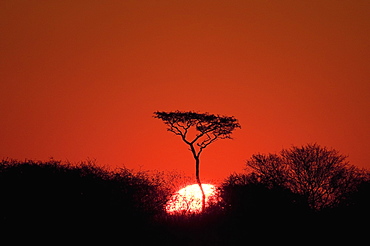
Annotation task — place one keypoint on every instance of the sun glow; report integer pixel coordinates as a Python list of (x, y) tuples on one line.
[(189, 199)]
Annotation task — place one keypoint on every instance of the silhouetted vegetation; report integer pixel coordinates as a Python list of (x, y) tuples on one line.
[(71, 200), (320, 175), (207, 127), (305, 192)]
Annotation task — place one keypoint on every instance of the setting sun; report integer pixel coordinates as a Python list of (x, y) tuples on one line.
[(189, 199)]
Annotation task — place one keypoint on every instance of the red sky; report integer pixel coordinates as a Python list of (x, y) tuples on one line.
[(81, 79)]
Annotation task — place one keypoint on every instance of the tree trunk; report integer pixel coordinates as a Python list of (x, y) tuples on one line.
[(200, 183), (197, 161)]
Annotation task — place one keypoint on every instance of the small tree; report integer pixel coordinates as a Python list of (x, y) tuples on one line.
[(198, 131), (321, 175)]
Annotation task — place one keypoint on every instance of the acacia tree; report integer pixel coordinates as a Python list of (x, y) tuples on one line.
[(198, 130)]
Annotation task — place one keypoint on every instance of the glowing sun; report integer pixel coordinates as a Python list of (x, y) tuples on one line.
[(189, 199)]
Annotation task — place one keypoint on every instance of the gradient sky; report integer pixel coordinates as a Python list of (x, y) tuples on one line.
[(81, 79)]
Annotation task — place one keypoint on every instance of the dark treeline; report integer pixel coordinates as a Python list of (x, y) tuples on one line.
[(79, 201), (308, 192)]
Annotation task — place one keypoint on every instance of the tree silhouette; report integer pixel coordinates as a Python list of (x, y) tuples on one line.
[(323, 176), (198, 130)]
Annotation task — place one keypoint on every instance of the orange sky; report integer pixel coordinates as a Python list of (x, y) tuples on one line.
[(81, 79)]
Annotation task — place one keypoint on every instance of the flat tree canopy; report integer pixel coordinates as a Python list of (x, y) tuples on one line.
[(207, 127)]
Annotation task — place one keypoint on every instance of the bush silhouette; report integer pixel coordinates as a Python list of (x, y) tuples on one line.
[(63, 198), (246, 198)]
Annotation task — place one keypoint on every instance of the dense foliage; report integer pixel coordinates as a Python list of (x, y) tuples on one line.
[(73, 199)]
